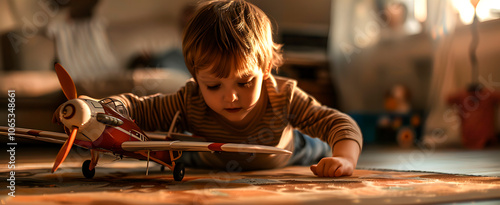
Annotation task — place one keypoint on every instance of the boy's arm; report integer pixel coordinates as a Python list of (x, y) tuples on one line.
[(154, 112), (332, 126)]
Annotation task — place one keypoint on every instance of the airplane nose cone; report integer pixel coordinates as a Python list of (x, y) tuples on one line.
[(75, 113)]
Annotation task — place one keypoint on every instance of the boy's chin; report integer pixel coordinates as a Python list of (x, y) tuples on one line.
[(235, 117)]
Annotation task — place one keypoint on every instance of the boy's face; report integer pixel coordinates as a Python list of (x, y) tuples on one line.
[(233, 97)]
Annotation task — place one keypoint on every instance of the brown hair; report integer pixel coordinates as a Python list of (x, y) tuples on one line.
[(226, 35)]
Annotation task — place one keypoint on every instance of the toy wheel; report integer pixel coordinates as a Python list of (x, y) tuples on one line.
[(178, 171), (89, 174)]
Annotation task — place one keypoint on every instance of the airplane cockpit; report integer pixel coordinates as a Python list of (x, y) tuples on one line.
[(116, 105)]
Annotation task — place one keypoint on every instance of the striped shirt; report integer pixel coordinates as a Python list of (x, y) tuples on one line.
[(288, 108)]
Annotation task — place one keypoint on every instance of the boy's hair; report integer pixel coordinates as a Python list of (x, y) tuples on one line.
[(229, 35)]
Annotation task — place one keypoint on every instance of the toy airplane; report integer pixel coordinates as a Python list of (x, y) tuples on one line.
[(104, 126)]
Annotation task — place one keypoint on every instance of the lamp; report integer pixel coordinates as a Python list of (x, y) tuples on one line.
[(473, 48), (476, 105)]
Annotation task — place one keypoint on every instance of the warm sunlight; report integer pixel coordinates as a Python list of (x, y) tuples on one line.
[(420, 10), (465, 9), (483, 9)]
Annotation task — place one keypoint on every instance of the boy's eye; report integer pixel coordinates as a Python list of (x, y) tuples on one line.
[(213, 87), (246, 84)]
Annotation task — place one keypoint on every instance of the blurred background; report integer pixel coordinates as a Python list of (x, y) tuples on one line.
[(391, 64)]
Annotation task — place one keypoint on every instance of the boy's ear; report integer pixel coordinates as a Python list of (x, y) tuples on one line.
[(267, 71)]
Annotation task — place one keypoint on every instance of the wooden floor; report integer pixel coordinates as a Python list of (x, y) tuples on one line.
[(446, 160)]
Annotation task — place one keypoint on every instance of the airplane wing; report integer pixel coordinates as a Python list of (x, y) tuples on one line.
[(56, 137), (162, 136), (46, 136), (200, 147)]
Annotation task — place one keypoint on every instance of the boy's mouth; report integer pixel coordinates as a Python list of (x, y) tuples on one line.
[(232, 110)]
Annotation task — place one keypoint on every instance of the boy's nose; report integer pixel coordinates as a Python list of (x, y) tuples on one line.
[(231, 96)]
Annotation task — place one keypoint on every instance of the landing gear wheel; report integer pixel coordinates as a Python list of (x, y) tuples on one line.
[(89, 174), (162, 168), (178, 171)]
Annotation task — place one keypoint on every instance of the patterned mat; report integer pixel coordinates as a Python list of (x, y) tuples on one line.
[(126, 183)]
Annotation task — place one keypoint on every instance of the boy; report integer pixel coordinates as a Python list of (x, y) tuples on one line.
[(233, 97)]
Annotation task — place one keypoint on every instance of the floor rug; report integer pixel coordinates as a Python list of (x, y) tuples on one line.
[(126, 183)]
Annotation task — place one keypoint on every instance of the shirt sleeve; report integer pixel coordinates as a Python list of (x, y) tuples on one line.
[(155, 112), (316, 120)]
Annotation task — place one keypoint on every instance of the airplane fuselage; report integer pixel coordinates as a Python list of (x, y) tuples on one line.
[(112, 137)]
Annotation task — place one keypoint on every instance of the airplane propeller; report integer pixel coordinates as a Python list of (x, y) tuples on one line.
[(69, 89), (67, 84), (63, 152)]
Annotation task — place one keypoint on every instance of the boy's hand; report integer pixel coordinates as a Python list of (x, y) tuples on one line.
[(333, 167), (345, 157)]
